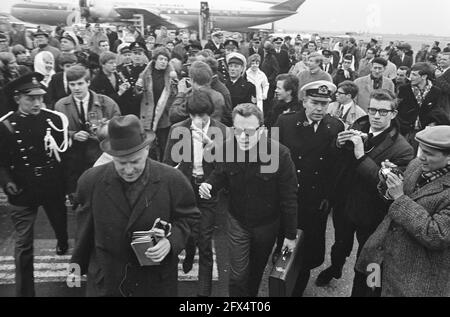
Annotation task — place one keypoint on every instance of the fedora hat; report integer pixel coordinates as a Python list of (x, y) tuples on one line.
[(126, 136)]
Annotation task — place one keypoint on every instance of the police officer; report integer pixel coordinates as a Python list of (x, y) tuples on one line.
[(310, 134), (231, 46), (241, 90), (215, 44), (30, 172)]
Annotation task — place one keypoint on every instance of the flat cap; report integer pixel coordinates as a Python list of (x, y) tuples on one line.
[(320, 90), (437, 137)]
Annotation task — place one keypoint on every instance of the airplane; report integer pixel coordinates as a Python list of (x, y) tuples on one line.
[(169, 13)]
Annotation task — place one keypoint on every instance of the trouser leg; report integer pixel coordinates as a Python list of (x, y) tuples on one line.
[(239, 256), (262, 241), (343, 237), (206, 260), (360, 287), (56, 211), (23, 219), (301, 283)]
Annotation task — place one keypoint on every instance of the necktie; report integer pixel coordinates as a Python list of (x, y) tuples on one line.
[(82, 113)]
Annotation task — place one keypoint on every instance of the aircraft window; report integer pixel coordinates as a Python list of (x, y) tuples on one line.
[(185, 12), (176, 11)]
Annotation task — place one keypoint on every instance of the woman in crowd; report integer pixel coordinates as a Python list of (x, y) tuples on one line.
[(258, 78), (44, 63)]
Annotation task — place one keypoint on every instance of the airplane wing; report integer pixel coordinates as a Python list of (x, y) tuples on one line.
[(151, 17)]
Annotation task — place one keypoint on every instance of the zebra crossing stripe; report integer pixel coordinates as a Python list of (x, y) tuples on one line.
[(52, 268)]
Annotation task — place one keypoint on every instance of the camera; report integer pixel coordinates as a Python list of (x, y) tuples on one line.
[(349, 144)]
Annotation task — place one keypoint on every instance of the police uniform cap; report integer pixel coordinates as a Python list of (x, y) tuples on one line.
[(277, 39), (437, 137), (28, 84), (217, 34), (231, 42), (236, 58), (69, 37), (137, 46), (125, 49), (320, 90), (39, 33)]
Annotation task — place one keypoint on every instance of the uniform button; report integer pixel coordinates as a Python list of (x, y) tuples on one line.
[(380, 248), (19, 141), (13, 124), (17, 132), (314, 187), (299, 157), (316, 173), (25, 157), (299, 171), (27, 164), (22, 150), (321, 158)]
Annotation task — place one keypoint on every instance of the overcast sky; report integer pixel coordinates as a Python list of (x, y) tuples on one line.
[(375, 16)]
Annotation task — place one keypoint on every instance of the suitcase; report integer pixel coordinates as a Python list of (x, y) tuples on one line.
[(285, 271)]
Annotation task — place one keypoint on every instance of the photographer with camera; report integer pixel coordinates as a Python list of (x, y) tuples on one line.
[(87, 111), (416, 229), (357, 206)]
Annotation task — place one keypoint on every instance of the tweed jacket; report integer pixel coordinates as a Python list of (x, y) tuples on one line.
[(365, 86), (413, 241)]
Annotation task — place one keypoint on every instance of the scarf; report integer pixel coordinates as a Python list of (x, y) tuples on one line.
[(428, 177)]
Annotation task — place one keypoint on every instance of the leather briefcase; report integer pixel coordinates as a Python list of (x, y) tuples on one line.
[(284, 273)]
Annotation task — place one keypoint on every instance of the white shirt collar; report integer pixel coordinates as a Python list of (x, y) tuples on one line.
[(347, 106), (311, 122), (375, 133), (85, 100), (205, 128)]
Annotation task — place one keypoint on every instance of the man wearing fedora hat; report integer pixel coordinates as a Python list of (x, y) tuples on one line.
[(413, 241), (124, 196)]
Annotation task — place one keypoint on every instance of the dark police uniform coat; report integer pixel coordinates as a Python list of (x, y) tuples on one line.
[(313, 154), (24, 161), (241, 91)]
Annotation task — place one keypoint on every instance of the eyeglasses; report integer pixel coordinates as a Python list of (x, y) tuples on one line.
[(248, 132), (382, 112)]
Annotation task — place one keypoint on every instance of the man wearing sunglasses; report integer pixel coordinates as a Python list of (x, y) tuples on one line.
[(262, 188), (358, 208)]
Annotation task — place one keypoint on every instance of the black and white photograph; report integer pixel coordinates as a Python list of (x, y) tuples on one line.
[(241, 150)]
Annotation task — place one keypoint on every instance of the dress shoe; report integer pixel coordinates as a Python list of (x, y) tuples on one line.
[(61, 249), (187, 264), (327, 275)]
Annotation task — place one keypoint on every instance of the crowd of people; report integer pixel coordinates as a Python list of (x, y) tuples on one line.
[(131, 129)]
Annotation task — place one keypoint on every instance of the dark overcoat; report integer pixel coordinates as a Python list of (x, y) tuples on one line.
[(106, 222)]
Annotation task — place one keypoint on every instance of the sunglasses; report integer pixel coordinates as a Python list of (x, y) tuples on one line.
[(247, 132), (382, 112)]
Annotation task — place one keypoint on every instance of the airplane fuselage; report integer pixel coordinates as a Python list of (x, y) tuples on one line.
[(225, 15)]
